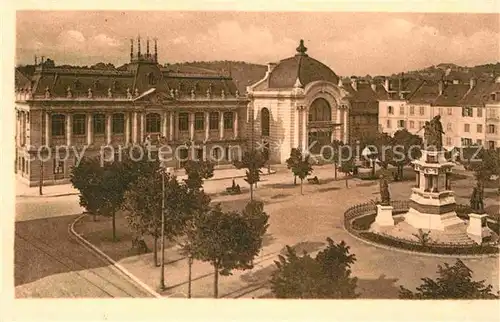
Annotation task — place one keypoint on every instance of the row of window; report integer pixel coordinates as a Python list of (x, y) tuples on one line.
[(466, 111), (468, 142), (491, 129), (153, 123)]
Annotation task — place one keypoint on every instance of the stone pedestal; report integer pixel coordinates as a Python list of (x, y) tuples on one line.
[(384, 216), (478, 228)]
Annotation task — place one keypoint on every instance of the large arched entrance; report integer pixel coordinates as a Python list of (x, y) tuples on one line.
[(320, 125)]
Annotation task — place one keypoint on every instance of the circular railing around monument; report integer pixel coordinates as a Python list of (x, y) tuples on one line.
[(402, 206)]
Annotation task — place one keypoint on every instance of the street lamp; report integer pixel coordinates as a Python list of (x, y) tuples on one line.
[(163, 169)]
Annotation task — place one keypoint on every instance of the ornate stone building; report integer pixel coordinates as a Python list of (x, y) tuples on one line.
[(298, 102), (86, 109)]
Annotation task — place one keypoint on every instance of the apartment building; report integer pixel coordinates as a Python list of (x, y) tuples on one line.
[(492, 115)]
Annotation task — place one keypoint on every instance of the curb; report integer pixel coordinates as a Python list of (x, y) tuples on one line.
[(109, 259), (418, 253), (48, 195)]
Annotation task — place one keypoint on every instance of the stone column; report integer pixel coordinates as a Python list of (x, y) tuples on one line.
[(435, 182), (304, 127), (143, 126), (207, 125), (18, 128), (417, 176), (191, 126), (90, 133), (164, 122), (108, 128), (346, 133), (221, 125), (172, 126), (338, 121), (48, 129), (296, 127), (134, 128), (235, 124), (127, 128), (69, 129)]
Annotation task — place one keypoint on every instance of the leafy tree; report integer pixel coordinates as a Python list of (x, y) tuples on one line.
[(383, 144), (485, 165), (229, 240), (454, 282), (300, 165), (293, 160), (407, 147), (328, 276), (87, 178), (143, 202), (253, 161), (197, 171), (347, 165)]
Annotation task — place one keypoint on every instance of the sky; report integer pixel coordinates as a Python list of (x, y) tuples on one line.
[(349, 43)]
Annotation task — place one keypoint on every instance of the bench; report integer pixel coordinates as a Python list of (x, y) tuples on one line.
[(314, 180), (236, 190)]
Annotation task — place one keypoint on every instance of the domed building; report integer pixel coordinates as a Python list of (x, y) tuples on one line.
[(300, 103)]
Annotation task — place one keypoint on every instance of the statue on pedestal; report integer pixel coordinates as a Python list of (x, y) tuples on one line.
[(476, 201), (384, 192), (433, 133)]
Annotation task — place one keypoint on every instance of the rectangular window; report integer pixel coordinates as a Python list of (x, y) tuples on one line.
[(491, 129), (467, 111), (214, 121), (401, 110), (401, 123), (466, 128), (390, 110), (449, 127), (479, 142), (449, 110), (58, 167), (99, 125), (58, 125), (479, 128), (479, 112), (440, 111), (491, 145), (118, 123), (199, 121), (183, 122), (388, 124), (466, 142), (79, 124), (448, 142), (228, 120), (422, 110), (412, 124), (412, 110), (420, 124)]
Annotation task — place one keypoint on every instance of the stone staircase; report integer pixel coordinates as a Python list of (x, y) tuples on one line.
[(456, 234)]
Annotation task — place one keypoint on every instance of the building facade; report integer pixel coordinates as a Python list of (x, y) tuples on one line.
[(100, 112), (298, 104)]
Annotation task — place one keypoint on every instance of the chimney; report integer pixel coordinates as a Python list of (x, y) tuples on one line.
[(270, 67), (354, 83), (472, 83), (386, 84), (440, 87)]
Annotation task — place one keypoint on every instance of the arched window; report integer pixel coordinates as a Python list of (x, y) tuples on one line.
[(320, 110), (118, 124), (153, 123), (58, 124), (264, 122)]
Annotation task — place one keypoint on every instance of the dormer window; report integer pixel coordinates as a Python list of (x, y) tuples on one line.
[(151, 79), (78, 84)]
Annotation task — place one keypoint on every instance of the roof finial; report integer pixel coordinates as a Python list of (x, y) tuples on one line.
[(156, 50), (131, 49), (139, 47), (301, 50)]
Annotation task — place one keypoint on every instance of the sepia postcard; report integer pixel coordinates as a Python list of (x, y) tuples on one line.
[(162, 160)]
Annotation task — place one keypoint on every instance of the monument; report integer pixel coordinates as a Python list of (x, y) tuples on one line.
[(432, 202), (478, 229), (384, 209)]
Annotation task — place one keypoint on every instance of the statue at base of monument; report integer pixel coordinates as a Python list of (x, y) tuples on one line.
[(433, 133), (476, 201), (384, 192)]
